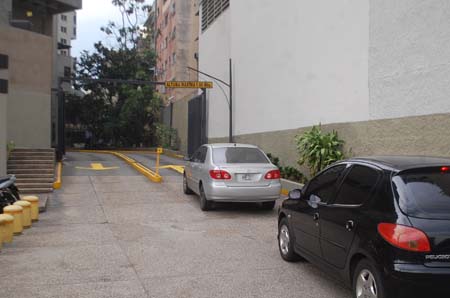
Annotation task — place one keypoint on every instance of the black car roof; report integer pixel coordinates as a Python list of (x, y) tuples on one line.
[(401, 163)]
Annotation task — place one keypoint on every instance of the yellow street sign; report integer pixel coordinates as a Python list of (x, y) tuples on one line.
[(97, 167), (193, 85), (159, 150)]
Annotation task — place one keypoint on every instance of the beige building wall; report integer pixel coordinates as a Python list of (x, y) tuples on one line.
[(30, 73), (3, 132)]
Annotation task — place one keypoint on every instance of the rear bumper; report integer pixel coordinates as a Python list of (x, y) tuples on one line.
[(221, 192), (416, 276)]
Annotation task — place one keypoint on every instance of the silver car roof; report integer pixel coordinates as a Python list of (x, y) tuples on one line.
[(228, 145)]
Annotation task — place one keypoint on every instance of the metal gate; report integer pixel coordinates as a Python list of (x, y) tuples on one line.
[(196, 123)]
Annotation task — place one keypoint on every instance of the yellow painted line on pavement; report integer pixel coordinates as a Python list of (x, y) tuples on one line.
[(136, 165), (179, 169), (58, 183), (98, 167)]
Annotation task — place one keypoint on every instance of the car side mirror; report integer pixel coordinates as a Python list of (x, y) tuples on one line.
[(295, 194)]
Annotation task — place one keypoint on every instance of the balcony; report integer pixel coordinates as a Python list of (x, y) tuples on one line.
[(37, 15)]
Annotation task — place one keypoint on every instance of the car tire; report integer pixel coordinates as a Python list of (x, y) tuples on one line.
[(286, 242), (367, 281), (268, 205), (186, 188), (205, 205)]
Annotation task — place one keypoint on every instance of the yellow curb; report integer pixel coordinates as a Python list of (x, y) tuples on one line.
[(136, 165), (57, 184), (179, 169)]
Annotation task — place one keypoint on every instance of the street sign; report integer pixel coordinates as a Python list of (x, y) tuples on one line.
[(159, 150), (192, 85)]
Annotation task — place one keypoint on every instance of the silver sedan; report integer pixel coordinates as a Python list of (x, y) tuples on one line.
[(232, 173)]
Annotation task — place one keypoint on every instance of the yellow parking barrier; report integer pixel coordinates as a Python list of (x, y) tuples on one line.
[(26, 213), (34, 200), (17, 213), (8, 227)]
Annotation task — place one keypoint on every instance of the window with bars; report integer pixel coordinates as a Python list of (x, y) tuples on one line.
[(211, 10)]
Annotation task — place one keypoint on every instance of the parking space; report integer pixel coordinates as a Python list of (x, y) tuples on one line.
[(113, 233)]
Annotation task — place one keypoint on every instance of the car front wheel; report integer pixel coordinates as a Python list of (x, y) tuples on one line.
[(286, 242), (367, 281), (186, 188)]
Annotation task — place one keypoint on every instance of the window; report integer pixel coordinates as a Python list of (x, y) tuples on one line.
[(200, 155), (236, 155), (323, 187), (174, 58), (63, 29), (358, 186), (75, 19), (211, 10), (424, 192), (67, 72), (75, 31), (63, 41), (64, 18)]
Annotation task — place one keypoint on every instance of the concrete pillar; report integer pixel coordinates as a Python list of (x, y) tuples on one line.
[(3, 124)]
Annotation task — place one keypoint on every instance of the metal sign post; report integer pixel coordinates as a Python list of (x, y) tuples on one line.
[(159, 151)]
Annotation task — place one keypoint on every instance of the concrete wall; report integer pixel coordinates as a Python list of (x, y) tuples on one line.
[(5, 10), (30, 73)]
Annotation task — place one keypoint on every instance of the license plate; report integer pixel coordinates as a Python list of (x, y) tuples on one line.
[(246, 177)]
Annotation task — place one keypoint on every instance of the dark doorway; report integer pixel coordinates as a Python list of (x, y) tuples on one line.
[(196, 123)]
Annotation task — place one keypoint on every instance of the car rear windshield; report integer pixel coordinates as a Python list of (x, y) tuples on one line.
[(424, 193), (238, 155)]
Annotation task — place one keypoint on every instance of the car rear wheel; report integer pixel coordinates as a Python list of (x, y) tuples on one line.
[(268, 205), (205, 205), (367, 281), (286, 242), (186, 188)]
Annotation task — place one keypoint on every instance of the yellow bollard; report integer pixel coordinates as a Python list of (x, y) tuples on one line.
[(17, 213), (2, 231), (34, 200), (26, 213), (9, 227)]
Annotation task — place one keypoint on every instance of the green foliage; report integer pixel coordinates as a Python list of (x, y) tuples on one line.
[(121, 115), (318, 150), (166, 137), (289, 173)]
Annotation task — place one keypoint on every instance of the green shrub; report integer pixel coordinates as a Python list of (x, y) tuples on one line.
[(166, 137), (289, 173), (318, 149)]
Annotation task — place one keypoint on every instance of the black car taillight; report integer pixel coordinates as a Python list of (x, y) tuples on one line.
[(404, 237)]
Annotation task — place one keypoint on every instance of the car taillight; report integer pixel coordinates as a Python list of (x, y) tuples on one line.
[(275, 174), (220, 175), (404, 237)]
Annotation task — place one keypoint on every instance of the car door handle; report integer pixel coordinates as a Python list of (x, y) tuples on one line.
[(316, 216), (350, 225)]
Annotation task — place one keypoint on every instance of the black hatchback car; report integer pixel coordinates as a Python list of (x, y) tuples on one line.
[(379, 224)]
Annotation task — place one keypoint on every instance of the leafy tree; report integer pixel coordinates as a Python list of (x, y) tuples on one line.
[(119, 114)]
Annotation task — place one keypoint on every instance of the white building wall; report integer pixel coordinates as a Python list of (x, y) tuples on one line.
[(295, 65), (215, 51), (409, 58)]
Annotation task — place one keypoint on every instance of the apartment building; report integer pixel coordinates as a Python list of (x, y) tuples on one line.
[(26, 71), (377, 71), (177, 48), (65, 31)]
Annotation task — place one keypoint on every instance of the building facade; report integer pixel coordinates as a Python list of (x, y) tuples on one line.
[(375, 71), (177, 48), (27, 46)]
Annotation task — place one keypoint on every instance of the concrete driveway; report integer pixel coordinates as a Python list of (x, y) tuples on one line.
[(113, 233)]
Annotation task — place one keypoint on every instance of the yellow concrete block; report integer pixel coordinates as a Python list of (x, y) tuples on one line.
[(8, 221), (34, 200), (17, 213), (26, 213)]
